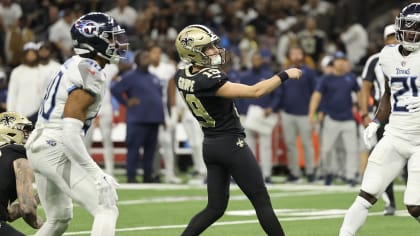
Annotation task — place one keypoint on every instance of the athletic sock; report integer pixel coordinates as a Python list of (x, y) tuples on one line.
[(355, 217)]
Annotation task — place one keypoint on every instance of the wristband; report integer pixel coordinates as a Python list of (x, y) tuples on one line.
[(283, 76), (377, 122)]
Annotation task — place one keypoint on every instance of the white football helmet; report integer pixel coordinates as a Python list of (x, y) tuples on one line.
[(407, 26)]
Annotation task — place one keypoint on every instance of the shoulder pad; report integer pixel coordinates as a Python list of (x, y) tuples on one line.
[(92, 76)]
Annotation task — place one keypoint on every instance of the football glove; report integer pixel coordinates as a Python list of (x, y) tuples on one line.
[(369, 134), (106, 185), (413, 104)]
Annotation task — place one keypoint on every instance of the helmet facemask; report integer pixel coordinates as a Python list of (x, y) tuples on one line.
[(213, 60), (117, 45), (408, 32)]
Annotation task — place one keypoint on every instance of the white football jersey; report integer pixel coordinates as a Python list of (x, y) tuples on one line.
[(76, 72), (165, 71), (403, 73)]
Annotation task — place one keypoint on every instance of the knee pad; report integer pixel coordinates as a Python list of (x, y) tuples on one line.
[(414, 212)]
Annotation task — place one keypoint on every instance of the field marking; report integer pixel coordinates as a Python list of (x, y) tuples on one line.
[(240, 197), (335, 213), (297, 187), (301, 190)]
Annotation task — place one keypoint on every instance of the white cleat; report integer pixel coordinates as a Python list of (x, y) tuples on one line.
[(173, 180)]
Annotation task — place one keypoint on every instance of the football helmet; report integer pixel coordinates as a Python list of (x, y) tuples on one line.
[(407, 26), (14, 128), (191, 42), (99, 34)]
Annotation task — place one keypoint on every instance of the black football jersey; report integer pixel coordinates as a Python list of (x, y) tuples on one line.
[(216, 115), (8, 154)]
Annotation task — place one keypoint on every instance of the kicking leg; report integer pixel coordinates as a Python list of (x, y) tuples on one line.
[(218, 196)]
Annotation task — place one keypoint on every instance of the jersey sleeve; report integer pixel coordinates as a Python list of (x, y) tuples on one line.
[(320, 86), (91, 77), (356, 87), (368, 73), (382, 56), (13, 152), (210, 82)]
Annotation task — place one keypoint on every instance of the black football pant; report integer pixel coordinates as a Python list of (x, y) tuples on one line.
[(230, 156), (7, 230)]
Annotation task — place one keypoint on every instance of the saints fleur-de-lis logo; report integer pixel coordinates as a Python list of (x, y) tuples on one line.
[(186, 42), (240, 143), (7, 120)]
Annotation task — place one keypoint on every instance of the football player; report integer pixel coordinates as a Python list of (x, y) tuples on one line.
[(15, 175), (400, 104), (64, 171), (208, 94), (373, 84)]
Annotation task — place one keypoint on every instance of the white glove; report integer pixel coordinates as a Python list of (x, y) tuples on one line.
[(413, 104), (369, 134), (106, 185)]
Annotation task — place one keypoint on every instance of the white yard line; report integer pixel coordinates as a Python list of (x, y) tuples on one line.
[(296, 190), (204, 198), (237, 222), (296, 187)]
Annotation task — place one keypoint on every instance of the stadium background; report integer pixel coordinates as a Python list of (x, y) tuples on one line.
[(165, 209)]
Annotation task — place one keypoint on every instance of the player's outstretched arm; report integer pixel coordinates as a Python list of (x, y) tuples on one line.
[(27, 202), (75, 112), (313, 106), (236, 90), (384, 109), (364, 101)]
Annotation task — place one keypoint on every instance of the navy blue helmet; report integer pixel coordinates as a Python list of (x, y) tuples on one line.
[(99, 34), (407, 26)]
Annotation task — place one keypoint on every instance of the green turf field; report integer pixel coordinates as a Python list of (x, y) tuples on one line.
[(304, 210)]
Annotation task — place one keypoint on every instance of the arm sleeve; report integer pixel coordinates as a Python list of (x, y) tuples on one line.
[(368, 73), (208, 86), (320, 86), (76, 147)]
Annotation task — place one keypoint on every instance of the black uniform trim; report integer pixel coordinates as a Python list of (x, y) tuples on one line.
[(8, 154)]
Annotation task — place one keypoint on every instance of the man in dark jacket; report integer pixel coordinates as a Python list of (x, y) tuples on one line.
[(144, 114)]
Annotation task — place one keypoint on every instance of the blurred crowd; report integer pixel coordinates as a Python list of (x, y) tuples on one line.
[(259, 36)]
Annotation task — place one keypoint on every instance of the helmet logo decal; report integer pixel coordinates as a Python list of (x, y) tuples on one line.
[(87, 27), (186, 42), (7, 120)]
